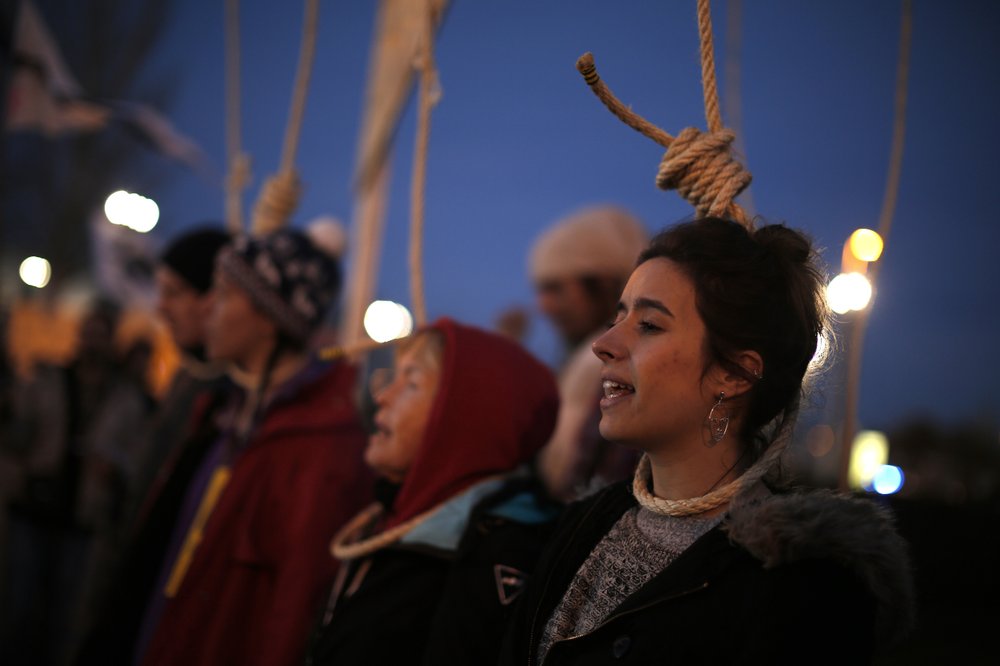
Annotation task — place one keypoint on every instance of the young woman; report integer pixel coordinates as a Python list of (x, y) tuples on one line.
[(429, 572), (699, 560)]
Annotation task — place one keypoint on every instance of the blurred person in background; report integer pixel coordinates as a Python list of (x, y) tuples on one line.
[(175, 442), (77, 434), (248, 560), (578, 267)]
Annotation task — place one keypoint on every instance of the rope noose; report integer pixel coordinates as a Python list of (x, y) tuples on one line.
[(641, 482), (280, 195), (699, 165), (430, 93)]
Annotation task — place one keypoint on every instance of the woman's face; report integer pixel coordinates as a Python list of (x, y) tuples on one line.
[(654, 361), (404, 408)]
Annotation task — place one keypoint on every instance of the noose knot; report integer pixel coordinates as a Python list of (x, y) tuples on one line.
[(278, 200), (702, 168)]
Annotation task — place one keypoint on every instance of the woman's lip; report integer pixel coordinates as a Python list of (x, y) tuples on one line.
[(608, 403)]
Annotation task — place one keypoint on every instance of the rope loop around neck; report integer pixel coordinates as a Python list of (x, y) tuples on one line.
[(643, 480)]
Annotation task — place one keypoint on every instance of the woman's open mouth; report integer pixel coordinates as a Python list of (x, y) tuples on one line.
[(615, 392)]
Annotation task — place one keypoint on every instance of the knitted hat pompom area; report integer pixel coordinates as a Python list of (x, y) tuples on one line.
[(287, 278)]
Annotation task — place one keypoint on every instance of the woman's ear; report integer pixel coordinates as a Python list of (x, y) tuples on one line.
[(737, 382)]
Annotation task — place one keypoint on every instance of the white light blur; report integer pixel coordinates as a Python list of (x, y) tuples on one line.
[(848, 291), (35, 272), (386, 320), (888, 480), (132, 210)]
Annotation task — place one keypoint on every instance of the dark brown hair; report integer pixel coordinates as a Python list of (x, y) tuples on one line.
[(760, 291)]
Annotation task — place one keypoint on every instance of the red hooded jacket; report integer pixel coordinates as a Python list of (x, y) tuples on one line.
[(495, 407), (258, 576)]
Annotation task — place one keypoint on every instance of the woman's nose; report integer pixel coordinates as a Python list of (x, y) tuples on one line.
[(608, 346)]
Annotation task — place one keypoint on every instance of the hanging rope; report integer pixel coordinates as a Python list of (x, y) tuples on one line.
[(857, 336), (280, 195), (642, 482), (732, 101), (239, 162), (699, 165), (430, 94)]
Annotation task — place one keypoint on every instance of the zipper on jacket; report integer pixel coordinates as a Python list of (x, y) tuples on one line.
[(611, 618)]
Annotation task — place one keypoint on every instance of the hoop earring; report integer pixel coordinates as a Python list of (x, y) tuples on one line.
[(718, 424)]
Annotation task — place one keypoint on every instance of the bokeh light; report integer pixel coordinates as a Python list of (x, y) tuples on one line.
[(848, 291), (35, 272), (866, 245), (888, 480), (869, 453), (386, 320), (132, 210)]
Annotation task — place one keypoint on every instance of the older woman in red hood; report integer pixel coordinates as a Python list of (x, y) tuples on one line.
[(429, 572)]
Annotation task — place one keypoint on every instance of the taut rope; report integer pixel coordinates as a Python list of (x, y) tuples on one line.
[(430, 93), (239, 162), (280, 194)]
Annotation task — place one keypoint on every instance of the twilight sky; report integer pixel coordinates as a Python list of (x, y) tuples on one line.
[(518, 141)]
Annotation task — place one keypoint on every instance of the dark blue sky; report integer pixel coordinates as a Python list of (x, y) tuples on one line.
[(518, 141)]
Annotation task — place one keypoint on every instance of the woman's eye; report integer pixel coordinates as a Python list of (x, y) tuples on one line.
[(648, 327)]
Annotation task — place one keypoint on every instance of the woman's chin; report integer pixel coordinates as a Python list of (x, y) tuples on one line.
[(619, 434)]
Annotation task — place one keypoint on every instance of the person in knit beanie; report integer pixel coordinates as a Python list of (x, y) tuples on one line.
[(249, 559), (174, 445), (183, 281), (579, 267)]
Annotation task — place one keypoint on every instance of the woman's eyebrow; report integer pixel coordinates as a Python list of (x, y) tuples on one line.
[(643, 303)]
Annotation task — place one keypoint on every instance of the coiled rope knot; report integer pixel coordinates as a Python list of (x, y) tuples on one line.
[(278, 200), (702, 168)]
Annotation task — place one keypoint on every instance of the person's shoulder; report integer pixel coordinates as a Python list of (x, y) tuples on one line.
[(841, 542)]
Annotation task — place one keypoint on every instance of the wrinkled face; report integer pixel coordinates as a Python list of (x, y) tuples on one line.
[(654, 361), (183, 308), (573, 311), (404, 408), (235, 331)]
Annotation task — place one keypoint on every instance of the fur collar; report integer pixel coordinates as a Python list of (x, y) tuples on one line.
[(854, 532)]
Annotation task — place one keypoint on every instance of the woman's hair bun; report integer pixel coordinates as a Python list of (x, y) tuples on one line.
[(784, 243)]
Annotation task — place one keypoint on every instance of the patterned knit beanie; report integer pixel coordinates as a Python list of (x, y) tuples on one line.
[(287, 278)]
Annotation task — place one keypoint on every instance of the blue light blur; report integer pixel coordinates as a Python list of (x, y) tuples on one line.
[(888, 480)]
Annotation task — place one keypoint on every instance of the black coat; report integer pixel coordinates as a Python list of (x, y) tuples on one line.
[(418, 604), (803, 578)]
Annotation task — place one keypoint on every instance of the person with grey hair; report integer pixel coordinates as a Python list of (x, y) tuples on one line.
[(579, 267)]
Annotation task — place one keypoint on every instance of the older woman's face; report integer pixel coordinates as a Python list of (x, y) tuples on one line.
[(654, 361), (404, 408)]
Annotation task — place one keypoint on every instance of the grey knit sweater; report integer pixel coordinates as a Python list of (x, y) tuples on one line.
[(633, 552)]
